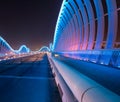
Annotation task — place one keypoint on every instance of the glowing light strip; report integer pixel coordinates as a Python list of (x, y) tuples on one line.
[(5, 42), (56, 28), (21, 47), (44, 47), (16, 51)]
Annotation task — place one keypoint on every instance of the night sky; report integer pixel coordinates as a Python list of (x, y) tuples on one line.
[(29, 22)]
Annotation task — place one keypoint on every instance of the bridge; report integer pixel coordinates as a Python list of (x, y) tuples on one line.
[(82, 64), (44, 49), (4, 47)]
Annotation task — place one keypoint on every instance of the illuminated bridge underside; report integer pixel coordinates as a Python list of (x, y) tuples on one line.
[(88, 30)]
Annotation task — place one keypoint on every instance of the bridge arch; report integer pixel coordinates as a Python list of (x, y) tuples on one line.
[(83, 25), (44, 49), (89, 30), (4, 47)]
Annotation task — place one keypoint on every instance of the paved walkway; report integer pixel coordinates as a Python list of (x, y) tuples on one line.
[(28, 79)]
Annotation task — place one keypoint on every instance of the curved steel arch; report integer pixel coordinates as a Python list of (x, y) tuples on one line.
[(23, 49), (66, 35), (5, 48), (6, 45), (71, 11), (112, 25), (91, 22), (59, 30), (55, 34), (85, 23), (70, 20), (70, 30), (44, 48), (100, 19), (65, 32), (68, 15), (79, 21)]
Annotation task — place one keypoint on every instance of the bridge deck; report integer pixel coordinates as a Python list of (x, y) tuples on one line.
[(28, 79)]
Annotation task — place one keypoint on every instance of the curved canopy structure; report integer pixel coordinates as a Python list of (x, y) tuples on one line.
[(23, 49), (86, 25), (4, 47), (89, 30), (44, 49)]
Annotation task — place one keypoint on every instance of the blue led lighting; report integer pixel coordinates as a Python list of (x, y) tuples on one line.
[(23, 49), (44, 48), (7, 45), (58, 21)]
